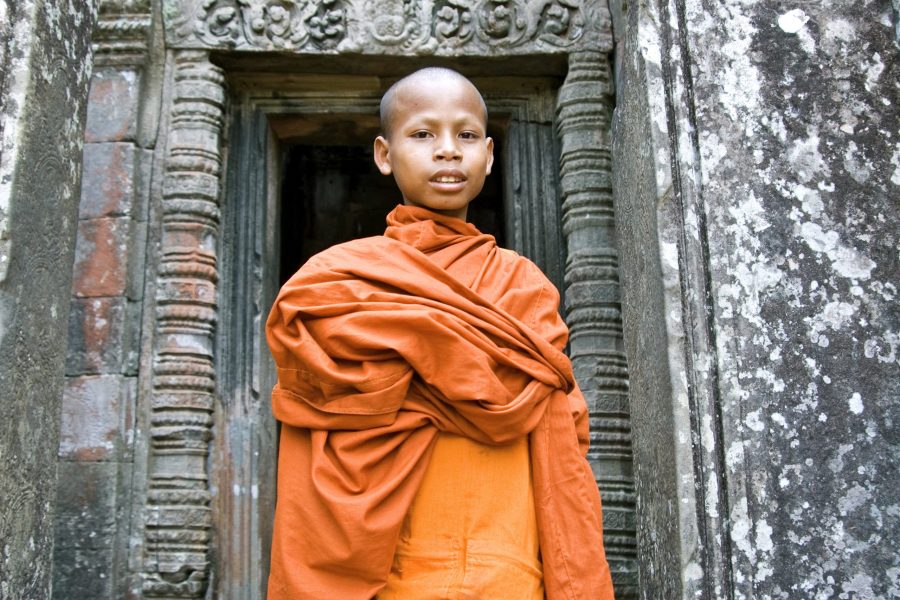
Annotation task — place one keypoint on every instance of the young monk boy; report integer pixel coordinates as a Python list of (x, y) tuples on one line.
[(433, 440)]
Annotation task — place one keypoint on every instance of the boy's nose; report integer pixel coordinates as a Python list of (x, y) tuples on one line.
[(446, 147)]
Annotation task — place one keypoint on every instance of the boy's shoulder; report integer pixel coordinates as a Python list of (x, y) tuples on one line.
[(359, 249), (525, 265)]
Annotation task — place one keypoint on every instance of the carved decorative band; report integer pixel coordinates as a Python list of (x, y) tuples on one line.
[(122, 32), (592, 298), (390, 26), (126, 28), (177, 534)]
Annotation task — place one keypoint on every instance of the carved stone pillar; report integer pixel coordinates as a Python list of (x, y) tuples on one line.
[(592, 299), (178, 517)]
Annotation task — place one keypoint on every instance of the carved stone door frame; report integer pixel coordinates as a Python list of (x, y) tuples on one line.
[(244, 455), (206, 409)]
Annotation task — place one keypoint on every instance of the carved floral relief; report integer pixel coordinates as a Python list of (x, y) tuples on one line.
[(271, 24), (453, 22), (386, 26)]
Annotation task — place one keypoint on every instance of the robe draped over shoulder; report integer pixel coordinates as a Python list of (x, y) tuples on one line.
[(384, 341)]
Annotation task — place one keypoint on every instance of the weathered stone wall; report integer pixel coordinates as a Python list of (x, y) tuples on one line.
[(757, 161), (45, 61), (756, 171), (143, 509), (98, 418)]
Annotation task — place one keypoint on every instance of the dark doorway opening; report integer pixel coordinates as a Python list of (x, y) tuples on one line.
[(334, 193)]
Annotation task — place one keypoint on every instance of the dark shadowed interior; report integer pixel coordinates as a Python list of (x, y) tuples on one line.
[(334, 193)]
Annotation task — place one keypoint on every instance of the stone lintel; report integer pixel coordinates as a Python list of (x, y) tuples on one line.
[(394, 27)]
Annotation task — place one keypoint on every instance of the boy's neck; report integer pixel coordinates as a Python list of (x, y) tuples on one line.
[(458, 214)]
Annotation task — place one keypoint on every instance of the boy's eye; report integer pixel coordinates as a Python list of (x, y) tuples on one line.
[(468, 135), (421, 134)]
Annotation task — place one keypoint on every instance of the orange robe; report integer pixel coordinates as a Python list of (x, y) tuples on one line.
[(382, 342), (471, 531)]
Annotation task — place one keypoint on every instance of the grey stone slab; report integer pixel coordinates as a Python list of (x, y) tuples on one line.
[(81, 573), (143, 180), (86, 505), (137, 258), (756, 195), (44, 71), (97, 418), (113, 105), (132, 339), (108, 186), (96, 336)]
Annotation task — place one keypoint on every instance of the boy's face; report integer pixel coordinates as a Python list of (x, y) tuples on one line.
[(437, 147)]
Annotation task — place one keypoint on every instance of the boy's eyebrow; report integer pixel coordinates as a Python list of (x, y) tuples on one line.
[(428, 119)]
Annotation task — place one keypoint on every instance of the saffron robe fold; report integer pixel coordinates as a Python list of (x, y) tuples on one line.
[(384, 341)]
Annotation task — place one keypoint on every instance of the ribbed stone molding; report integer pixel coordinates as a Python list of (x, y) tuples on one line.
[(178, 518), (592, 299), (122, 32)]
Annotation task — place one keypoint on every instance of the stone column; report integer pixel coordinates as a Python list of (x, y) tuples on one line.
[(178, 519), (757, 171), (592, 299), (45, 66)]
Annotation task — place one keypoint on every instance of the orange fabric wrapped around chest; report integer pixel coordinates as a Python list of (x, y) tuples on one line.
[(382, 342)]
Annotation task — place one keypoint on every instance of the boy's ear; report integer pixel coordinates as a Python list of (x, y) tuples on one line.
[(490, 149), (382, 155)]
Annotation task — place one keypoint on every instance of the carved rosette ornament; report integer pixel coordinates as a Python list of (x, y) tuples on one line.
[(453, 23), (178, 521), (592, 299), (502, 21), (272, 24), (388, 26)]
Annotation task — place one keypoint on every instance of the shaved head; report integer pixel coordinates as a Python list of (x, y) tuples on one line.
[(422, 77)]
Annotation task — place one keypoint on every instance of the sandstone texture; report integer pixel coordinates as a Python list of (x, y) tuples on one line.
[(45, 62), (757, 154)]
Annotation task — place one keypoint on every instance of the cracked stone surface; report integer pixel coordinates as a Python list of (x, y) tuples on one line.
[(45, 60), (759, 157)]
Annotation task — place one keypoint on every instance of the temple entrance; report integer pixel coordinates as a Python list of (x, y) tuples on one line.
[(199, 115), (300, 178)]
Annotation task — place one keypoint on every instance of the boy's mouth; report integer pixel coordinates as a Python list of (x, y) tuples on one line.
[(448, 177)]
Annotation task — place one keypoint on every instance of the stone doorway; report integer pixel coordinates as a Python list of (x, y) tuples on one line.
[(299, 163), (204, 444), (205, 488)]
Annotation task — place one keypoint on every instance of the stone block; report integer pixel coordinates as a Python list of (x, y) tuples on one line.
[(96, 334), (45, 62), (108, 180), (112, 105), (101, 257), (82, 573), (97, 421), (86, 505), (756, 271)]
